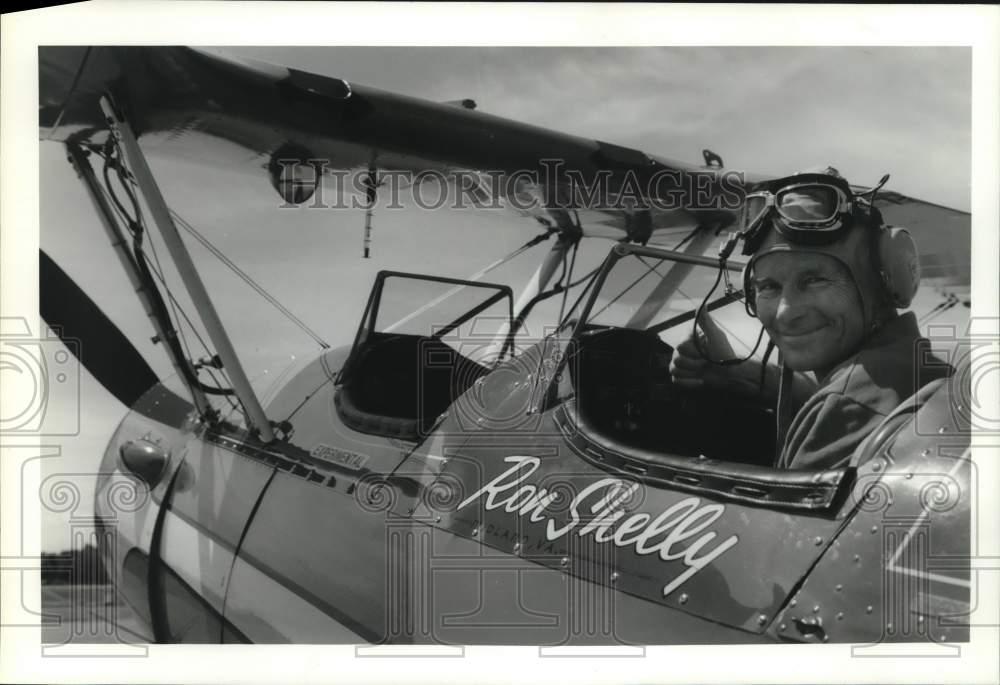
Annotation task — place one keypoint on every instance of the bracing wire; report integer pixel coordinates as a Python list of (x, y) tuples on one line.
[(175, 309), (951, 300), (248, 280), (649, 270), (179, 314), (156, 269), (134, 226), (569, 281)]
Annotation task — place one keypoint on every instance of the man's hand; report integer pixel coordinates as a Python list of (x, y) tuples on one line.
[(692, 370)]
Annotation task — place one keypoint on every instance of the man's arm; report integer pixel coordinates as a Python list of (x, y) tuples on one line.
[(827, 431)]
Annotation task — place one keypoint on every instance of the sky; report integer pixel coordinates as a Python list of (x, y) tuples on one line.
[(867, 111)]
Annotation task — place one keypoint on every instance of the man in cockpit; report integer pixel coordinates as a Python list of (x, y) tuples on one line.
[(825, 277)]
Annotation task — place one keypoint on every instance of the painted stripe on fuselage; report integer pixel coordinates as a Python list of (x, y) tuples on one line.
[(196, 558), (911, 535), (255, 598)]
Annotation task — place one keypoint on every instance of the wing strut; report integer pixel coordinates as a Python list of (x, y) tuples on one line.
[(569, 235), (164, 331), (185, 267), (696, 244)]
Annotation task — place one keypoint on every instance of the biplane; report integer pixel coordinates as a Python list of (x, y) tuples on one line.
[(413, 488)]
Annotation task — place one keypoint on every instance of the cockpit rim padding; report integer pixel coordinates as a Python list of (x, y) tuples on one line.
[(370, 423), (794, 489), (413, 429)]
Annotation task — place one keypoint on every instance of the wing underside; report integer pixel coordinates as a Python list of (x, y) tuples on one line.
[(244, 114)]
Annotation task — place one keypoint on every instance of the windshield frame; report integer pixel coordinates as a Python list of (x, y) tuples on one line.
[(549, 390), (369, 318), (626, 249)]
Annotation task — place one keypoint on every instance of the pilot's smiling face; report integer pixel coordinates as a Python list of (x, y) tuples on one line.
[(810, 306)]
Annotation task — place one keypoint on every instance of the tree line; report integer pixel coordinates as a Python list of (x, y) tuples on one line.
[(82, 566)]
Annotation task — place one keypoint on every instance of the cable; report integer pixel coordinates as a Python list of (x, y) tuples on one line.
[(649, 270), (697, 338), (135, 226), (176, 308), (579, 298), (687, 238), (157, 271), (569, 276), (249, 281), (950, 301), (144, 268)]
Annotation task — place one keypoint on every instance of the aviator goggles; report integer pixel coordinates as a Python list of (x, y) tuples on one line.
[(811, 209)]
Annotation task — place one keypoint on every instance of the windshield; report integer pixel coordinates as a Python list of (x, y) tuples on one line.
[(464, 315), (647, 288)]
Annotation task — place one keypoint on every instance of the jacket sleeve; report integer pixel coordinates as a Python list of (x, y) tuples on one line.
[(826, 431)]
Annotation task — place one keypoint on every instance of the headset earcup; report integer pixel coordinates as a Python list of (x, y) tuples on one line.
[(899, 265)]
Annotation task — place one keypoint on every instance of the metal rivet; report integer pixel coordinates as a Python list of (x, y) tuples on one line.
[(925, 453), (888, 627), (869, 609), (920, 619), (683, 599), (874, 529), (826, 638), (818, 541), (876, 466), (942, 429), (782, 627), (840, 615), (857, 558), (437, 519), (839, 587), (909, 476), (564, 562), (480, 419), (793, 602), (517, 546), (816, 609), (475, 532), (761, 620), (614, 576)]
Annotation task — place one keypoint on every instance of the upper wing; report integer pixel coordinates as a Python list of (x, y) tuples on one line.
[(944, 236), (247, 114)]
